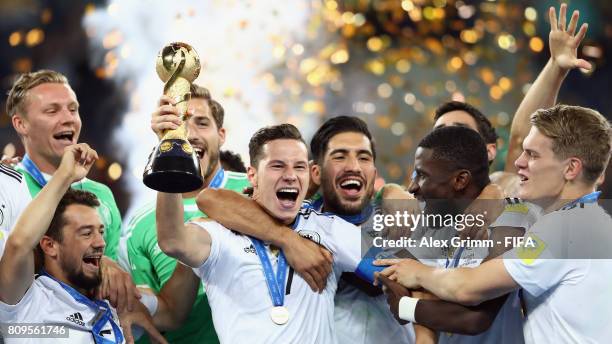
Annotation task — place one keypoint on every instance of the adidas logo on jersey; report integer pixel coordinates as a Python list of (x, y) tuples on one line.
[(76, 318), (250, 249)]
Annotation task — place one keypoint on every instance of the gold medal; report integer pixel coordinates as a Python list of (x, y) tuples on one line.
[(279, 315)]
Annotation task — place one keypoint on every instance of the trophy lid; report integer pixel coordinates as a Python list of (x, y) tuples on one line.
[(178, 59)]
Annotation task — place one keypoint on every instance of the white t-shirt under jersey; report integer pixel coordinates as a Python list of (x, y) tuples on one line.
[(48, 302), (566, 276), (238, 294), (14, 197)]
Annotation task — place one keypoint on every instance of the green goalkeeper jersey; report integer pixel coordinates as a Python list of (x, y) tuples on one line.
[(151, 268), (109, 213)]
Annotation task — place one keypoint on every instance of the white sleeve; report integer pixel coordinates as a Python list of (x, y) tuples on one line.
[(536, 266), (345, 244), (29, 304), (514, 215), (14, 197), (23, 199), (218, 235)]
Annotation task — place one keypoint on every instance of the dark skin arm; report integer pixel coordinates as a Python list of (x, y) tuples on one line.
[(311, 261), (451, 317), (395, 292), (444, 316), (455, 318)]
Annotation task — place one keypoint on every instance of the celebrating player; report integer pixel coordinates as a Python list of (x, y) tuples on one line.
[(66, 229), (252, 292)]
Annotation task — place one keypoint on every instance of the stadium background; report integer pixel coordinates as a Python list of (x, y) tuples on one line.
[(389, 62)]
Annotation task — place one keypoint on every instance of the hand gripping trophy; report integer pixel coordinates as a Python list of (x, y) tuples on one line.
[(174, 167)]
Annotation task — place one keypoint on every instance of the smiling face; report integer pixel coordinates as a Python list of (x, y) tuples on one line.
[(280, 180), (541, 172), (50, 122), (204, 135), (80, 249), (347, 173)]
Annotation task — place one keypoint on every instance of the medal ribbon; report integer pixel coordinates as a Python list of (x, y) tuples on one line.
[(276, 284), (33, 170), (101, 307), (217, 180), (457, 257), (589, 198)]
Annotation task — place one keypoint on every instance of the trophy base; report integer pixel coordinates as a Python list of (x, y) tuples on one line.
[(173, 168)]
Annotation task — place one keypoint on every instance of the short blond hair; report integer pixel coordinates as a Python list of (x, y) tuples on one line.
[(577, 132), (27, 81)]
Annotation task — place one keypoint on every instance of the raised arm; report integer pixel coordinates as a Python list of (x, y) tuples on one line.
[(176, 298), (188, 243), (17, 263), (309, 260), (564, 43)]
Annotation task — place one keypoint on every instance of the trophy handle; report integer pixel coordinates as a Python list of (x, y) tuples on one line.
[(177, 88)]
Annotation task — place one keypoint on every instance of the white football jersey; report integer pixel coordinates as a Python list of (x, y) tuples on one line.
[(364, 319), (14, 197), (47, 302), (565, 274), (361, 318), (238, 294)]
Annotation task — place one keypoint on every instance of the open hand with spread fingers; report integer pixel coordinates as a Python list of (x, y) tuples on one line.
[(564, 41)]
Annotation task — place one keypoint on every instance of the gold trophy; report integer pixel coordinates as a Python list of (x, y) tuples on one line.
[(174, 167)]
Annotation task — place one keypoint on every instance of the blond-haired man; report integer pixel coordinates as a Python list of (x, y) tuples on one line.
[(44, 111)]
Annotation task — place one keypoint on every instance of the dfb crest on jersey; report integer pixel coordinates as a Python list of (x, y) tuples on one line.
[(311, 235)]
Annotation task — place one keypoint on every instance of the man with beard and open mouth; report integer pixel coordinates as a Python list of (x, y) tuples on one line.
[(344, 153), (44, 111), (253, 292), (66, 230)]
